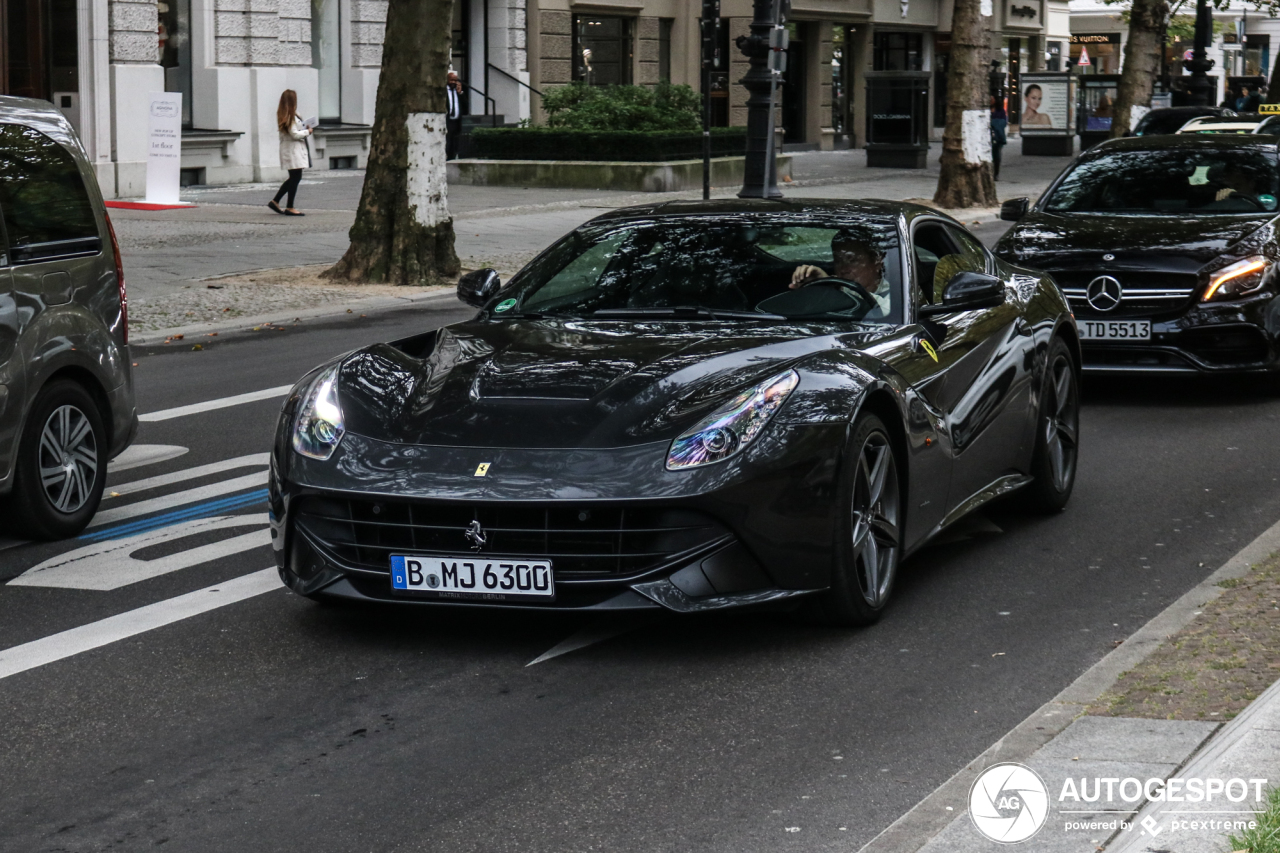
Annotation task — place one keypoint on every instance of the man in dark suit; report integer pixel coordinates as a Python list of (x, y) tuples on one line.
[(453, 115)]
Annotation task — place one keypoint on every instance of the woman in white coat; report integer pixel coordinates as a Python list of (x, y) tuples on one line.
[(294, 154)]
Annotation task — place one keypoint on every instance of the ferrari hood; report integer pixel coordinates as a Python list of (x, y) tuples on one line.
[(561, 383), (1176, 244)]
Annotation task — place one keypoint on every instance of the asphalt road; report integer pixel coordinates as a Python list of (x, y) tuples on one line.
[(276, 724)]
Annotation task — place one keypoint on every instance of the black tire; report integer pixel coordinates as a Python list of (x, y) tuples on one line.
[(60, 505), (1057, 453), (868, 531)]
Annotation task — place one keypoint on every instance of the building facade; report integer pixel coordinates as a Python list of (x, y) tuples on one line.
[(1242, 48), (98, 61)]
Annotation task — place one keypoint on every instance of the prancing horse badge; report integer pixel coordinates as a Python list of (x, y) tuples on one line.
[(482, 469)]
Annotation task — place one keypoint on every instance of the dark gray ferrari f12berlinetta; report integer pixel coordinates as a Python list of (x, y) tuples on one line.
[(686, 406)]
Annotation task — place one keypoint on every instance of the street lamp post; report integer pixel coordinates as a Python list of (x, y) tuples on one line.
[(765, 47), (1198, 87)]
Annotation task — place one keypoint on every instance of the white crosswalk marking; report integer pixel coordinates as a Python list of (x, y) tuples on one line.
[(220, 403), (137, 455), (114, 628), (249, 461), (177, 499), (110, 564)]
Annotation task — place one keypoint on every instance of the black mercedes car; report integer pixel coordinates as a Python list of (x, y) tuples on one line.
[(1166, 250), (686, 406)]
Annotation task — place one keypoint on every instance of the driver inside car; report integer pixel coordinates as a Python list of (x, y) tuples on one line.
[(852, 260)]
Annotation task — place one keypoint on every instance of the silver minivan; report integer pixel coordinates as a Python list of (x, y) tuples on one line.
[(66, 383)]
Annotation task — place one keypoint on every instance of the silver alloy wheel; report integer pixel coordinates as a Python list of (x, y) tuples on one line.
[(1061, 410), (68, 458), (875, 518)]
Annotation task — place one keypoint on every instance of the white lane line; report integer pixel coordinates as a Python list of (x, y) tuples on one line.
[(220, 403), (137, 455), (177, 499), (110, 565), (249, 461), (588, 636), (103, 632)]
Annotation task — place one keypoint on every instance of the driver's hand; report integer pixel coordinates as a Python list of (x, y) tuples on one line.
[(806, 272)]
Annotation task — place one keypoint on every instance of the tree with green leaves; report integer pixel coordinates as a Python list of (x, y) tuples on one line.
[(403, 233), (966, 179)]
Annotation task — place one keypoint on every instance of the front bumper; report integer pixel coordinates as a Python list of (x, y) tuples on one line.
[(1236, 337), (771, 517)]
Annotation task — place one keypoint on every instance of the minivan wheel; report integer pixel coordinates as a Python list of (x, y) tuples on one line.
[(61, 464)]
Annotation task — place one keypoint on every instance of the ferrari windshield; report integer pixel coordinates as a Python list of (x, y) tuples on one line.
[(1172, 182), (717, 268)]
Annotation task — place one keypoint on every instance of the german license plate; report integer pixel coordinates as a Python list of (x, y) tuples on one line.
[(470, 577), (1115, 330)]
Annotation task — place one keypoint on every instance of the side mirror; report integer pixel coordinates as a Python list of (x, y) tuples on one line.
[(478, 287), (1014, 209), (968, 291)]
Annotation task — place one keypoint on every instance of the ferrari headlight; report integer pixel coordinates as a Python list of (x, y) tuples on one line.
[(731, 427), (1238, 279), (319, 427)]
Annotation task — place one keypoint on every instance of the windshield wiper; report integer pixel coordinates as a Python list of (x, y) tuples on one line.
[(685, 311)]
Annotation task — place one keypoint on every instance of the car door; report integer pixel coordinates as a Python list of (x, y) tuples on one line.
[(987, 392), (52, 246)]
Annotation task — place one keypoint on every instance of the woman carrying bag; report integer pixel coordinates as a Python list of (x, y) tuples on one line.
[(294, 153)]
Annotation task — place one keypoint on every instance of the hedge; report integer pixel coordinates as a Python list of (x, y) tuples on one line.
[(538, 143)]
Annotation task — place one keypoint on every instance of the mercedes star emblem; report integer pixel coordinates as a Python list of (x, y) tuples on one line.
[(475, 535), (1104, 293), (1108, 257)]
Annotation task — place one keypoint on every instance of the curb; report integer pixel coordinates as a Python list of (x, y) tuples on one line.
[(928, 817), (372, 303)]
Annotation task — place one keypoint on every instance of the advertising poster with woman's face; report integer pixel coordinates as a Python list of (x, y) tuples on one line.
[(1044, 106)]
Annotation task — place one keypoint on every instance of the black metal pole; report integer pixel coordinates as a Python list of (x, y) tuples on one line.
[(1198, 87), (706, 134), (758, 180)]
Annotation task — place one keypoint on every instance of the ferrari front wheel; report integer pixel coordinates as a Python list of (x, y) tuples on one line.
[(868, 546)]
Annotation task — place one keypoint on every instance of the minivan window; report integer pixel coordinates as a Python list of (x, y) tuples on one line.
[(42, 196)]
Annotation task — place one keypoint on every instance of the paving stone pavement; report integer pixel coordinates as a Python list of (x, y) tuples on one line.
[(167, 254)]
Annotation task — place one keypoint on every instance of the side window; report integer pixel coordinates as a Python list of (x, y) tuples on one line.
[(42, 196), (932, 246)]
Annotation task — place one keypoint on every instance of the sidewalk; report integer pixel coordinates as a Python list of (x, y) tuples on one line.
[(169, 254), (1072, 751)]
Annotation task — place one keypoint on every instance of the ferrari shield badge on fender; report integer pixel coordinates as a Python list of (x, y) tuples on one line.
[(483, 468), (927, 347)]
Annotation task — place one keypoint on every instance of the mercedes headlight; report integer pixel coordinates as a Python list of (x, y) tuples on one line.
[(731, 427), (1238, 279), (319, 428)]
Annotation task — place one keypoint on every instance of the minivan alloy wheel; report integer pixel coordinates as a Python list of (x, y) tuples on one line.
[(68, 458)]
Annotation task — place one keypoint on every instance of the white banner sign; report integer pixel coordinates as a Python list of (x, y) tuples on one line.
[(164, 147)]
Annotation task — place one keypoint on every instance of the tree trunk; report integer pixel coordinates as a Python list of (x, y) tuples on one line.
[(403, 233), (1142, 61), (1273, 91), (966, 179)]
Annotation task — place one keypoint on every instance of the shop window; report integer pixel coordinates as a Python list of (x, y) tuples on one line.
[(1053, 56), (174, 33), (941, 65), (898, 52), (1104, 53), (603, 49), (326, 57)]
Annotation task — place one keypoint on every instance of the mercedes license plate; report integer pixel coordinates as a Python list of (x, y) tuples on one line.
[(472, 577), (1115, 330)]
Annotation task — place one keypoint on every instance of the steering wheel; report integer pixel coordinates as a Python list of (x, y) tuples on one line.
[(842, 283)]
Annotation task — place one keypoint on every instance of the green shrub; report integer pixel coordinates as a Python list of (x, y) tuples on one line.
[(578, 106), (549, 143)]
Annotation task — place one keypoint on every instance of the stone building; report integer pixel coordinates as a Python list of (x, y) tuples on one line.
[(98, 60)]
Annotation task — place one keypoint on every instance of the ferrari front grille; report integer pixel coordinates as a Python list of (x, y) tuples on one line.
[(584, 540)]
